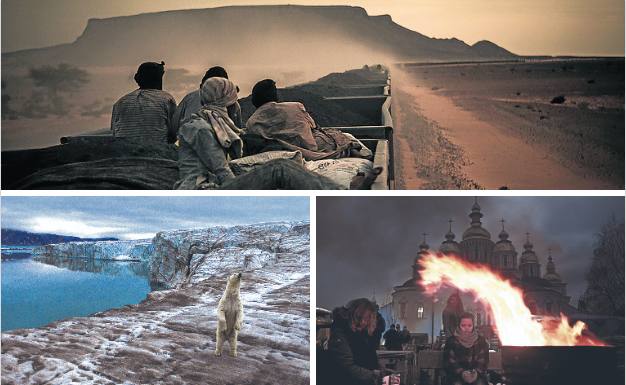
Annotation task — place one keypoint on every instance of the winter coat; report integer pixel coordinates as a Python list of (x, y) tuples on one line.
[(351, 355), (457, 358), (392, 340)]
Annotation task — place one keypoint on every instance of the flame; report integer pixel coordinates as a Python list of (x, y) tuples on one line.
[(513, 320)]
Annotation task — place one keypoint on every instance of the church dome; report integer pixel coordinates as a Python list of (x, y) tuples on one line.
[(476, 232), (504, 245), (528, 255), (450, 246), (551, 274), (476, 229)]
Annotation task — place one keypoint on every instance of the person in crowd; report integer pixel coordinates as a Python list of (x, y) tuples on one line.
[(405, 336), (451, 313), (191, 103), (351, 358), (147, 112), (392, 339), (466, 354)]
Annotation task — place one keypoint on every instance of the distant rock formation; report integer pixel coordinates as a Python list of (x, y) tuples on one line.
[(169, 338), (488, 49), (253, 35), (25, 238)]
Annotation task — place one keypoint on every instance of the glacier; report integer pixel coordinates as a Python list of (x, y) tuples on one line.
[(169, 338)]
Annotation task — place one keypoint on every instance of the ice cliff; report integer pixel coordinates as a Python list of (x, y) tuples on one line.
[(169, 338), (136, 249)]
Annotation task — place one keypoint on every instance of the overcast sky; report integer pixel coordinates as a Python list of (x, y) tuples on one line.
[(526, 27), (143, 217), (369, 243)]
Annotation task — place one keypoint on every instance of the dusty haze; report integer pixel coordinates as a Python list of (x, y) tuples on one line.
[(291, 44), (527, 27)]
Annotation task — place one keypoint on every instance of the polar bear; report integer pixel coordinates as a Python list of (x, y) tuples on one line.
[(229, 316)]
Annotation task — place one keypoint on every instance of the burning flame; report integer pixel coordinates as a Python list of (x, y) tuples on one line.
[(512, 318)]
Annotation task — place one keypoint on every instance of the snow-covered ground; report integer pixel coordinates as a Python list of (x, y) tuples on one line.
[(170, 337)]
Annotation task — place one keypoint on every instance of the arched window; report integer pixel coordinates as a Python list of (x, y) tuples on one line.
[(420, 311), (402, 310)]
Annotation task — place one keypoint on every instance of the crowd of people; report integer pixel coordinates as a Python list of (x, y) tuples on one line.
[(349, 355), (395, 338), (208, 130)]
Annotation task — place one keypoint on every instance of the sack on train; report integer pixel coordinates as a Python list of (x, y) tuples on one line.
[(249, 163), (349, 173), (363, 151)]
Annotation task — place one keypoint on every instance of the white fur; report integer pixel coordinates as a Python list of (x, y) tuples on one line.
[(229, 316)]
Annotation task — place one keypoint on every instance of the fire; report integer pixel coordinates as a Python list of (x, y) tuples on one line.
[(512, 318)]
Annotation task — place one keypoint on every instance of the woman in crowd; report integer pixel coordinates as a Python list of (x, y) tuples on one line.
[(466, 354)]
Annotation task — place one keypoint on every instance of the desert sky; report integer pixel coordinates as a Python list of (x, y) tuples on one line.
[(524, 27)]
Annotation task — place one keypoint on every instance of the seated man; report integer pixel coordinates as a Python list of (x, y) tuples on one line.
[(288, 126), (145, 113), (191, 102)]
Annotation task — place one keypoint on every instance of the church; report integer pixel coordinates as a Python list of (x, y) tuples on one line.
[(545, 295)]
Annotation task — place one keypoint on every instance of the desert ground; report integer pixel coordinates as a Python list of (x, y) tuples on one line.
[(502, 125)]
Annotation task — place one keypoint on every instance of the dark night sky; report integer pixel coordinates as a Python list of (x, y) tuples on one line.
[(369, 243)]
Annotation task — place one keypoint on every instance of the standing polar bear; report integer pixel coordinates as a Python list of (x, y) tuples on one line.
[(229, 316)]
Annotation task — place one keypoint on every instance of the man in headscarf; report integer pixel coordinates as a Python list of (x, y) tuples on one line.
[(288, 126), (191, 102), (147, 112), (208, 137)]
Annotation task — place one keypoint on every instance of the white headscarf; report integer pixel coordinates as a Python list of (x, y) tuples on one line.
[(215, 95)]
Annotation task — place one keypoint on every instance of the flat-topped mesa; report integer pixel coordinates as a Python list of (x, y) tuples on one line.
[(291, 35)]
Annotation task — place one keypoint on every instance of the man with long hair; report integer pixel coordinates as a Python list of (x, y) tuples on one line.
[(352, 360)]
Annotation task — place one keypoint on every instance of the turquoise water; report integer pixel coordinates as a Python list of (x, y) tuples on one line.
[(35, 293)]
